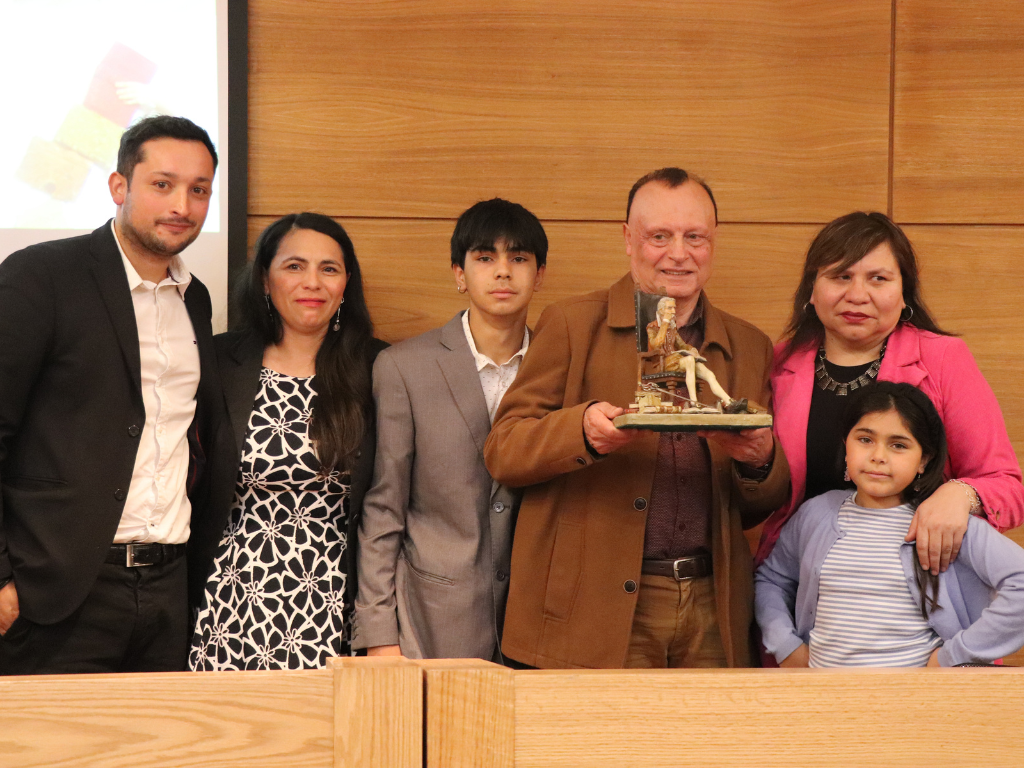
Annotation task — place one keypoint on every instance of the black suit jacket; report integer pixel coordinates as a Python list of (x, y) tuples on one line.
[(71, 414), (239, 361)]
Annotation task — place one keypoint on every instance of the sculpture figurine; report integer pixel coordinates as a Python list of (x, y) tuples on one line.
[(665, 362)]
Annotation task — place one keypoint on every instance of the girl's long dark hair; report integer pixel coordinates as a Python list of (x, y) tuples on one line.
[(342, 408), (918, 414), (841, 244)]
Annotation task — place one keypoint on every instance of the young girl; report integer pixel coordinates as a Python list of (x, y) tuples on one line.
[(842, 588)]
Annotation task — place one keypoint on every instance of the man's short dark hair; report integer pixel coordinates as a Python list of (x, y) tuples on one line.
[(671, 177), (129, 154), (490, 221)]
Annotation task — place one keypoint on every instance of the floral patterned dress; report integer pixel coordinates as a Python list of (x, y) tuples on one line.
[(275, 598)]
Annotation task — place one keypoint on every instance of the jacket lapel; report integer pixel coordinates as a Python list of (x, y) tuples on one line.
[(112, 281), (459, 371), (240, 377), (902, 361), (793, 383)]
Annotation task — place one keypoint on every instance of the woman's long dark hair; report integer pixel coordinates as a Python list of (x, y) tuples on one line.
[(918, 414), (342, 408), (841, 244)]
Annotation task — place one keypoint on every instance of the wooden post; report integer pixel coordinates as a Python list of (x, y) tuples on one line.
[(470, 714), (378, 713)]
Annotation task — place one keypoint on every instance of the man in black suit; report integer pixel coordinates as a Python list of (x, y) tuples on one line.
[(107, 380)]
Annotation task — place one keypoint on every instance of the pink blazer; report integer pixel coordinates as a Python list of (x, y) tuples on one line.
[(943, 368)]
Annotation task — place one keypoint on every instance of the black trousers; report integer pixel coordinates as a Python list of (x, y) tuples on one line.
[(133, 620)]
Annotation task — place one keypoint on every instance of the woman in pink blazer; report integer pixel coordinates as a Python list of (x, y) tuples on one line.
[(858, 315)]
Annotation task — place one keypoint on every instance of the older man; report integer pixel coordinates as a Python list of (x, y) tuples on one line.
[(629, 548)]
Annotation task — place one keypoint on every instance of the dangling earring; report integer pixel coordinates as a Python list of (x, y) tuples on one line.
[(846, 475), (337, 318), (267, 297), (908, 317), (917, 481)]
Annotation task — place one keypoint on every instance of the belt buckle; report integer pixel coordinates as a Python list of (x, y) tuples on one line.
[(675, 568), (129, 556)]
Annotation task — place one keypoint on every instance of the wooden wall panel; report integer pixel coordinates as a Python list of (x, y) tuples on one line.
[(959, 112), (973, 282), (414, 108), (410, 288)]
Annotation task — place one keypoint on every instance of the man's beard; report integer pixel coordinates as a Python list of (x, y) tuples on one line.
[(151, 242)]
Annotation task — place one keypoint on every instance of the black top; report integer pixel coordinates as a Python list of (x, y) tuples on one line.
[(825, 450)]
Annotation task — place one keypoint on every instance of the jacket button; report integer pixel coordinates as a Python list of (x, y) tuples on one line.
[(134, 431), (498, 506), (119, 494), (629, 586), (640, 504), (581, 461), (501, 576)]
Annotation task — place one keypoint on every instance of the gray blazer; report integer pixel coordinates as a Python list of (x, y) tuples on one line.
[(435, 542)]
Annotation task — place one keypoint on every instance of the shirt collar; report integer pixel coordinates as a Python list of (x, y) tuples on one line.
[(697, 316), (177, 274), (482, 360)]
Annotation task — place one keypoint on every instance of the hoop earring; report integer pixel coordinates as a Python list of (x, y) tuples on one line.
[(807, 306), (337, 318), (917, 481), (460, 288), (908, 317)]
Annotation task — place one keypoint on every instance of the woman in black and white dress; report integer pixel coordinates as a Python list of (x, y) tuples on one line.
[(296, 377)]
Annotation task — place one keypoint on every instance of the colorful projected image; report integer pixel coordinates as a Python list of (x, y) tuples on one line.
[(98, 65)]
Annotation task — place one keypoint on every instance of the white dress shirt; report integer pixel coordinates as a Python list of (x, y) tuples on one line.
[(494, 379), (157, 508)]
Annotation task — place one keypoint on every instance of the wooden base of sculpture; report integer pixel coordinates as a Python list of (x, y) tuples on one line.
[(692, 422)]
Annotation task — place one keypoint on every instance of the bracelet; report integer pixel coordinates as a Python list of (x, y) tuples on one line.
[(972, 494)]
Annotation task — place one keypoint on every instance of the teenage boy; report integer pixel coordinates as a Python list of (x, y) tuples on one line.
[(435, 539)]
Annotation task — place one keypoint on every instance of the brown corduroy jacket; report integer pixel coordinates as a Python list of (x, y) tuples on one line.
[(580, 534)]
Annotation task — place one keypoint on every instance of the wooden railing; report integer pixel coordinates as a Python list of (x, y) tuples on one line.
[(395, 713)]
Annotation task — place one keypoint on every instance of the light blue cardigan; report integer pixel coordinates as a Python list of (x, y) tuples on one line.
[(981, 597)]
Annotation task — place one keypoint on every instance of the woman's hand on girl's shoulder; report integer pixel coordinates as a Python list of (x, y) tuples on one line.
[(939, 526)]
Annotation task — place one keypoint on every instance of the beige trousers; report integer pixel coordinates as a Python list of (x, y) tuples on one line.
[(675, 625)]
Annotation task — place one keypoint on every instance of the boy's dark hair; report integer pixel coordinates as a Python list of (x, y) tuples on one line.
[(129, 154), (483, 225), (343, 405), (671, 177), (918, 414)]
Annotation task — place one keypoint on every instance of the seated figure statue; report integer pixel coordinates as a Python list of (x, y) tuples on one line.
[(676, 356)]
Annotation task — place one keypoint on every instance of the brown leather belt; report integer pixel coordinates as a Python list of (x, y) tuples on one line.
[(694, 567), (134, 555)]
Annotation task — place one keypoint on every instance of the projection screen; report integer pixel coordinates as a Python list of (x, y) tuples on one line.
[(77, 72)]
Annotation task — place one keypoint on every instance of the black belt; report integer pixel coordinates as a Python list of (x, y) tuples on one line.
[(693, 567), (134, 555)]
